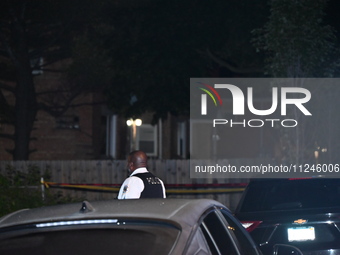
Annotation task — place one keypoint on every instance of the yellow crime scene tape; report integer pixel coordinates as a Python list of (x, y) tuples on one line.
[(170, 188)]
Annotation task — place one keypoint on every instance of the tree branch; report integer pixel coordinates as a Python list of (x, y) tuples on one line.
[(58, 110), (7, 87), (234, 69), (7, 136), (8, 48)]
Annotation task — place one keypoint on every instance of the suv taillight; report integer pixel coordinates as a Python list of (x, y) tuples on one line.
[(250, 225)]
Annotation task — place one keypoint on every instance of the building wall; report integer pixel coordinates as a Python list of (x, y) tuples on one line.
[(81, 132), (70, 136), (54, 141)]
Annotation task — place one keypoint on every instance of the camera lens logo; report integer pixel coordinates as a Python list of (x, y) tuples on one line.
[(209, 90)]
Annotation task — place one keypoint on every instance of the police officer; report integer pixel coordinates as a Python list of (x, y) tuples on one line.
[(141, 183)]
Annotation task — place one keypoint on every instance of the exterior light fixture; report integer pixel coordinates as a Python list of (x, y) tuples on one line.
[(138, 122), (133, 124)]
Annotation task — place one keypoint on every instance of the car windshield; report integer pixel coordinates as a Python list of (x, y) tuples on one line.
[(274, 195), (122, 237)]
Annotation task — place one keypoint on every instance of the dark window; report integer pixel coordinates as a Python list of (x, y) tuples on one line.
[(67, 122), (147, 139), (147, 146), (291, 194), (125, 238), (237, 230), (217, 237)]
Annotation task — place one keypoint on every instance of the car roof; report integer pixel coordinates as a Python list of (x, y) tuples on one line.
[(185, 212)]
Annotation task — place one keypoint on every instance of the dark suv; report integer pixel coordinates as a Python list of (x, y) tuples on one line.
[(300, 212)]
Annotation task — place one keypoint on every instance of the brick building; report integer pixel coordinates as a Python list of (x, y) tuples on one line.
[(91, 131)]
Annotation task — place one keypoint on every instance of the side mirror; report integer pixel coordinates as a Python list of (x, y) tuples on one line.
[(285, 249)]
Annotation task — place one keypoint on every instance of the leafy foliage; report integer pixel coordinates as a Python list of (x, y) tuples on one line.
[(20, 190), (296, 41), (154, 47), (33, 36)]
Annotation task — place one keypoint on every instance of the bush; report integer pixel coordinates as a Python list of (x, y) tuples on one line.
[(20, 190)]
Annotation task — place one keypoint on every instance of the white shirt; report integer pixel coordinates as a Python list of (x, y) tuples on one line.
[(133, 186)]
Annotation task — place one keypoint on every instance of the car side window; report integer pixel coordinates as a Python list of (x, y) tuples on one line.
[(217, 236), (237, 230)]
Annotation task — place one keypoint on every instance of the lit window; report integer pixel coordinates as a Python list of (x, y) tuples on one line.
[(147, 139)]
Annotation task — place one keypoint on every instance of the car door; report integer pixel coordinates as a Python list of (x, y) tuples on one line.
[(218, 232), (242, 239), (217, 235)]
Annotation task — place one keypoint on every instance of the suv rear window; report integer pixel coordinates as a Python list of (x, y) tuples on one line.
[(285, 194)]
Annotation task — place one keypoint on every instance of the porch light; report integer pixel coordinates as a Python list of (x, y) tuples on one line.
[(131, 122), (133, 135)]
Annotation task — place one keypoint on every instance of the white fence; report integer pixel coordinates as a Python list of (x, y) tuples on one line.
[(114, 172)]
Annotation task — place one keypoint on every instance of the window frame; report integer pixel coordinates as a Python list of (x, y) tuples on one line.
[(202, 225), (138, 138)]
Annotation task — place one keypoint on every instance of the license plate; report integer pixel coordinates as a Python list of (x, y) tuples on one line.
[(305, 233)]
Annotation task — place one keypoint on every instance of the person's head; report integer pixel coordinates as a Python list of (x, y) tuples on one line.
[(136, 159)]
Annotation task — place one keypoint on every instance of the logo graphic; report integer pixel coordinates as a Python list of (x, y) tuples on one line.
[(210, 91), (239, 99)]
